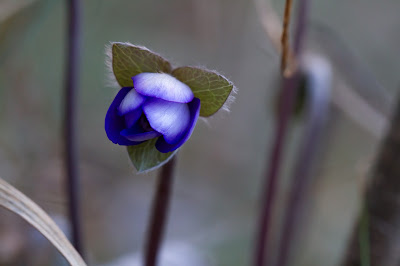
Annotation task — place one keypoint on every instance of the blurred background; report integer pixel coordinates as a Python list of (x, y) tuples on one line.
[(219, 174)]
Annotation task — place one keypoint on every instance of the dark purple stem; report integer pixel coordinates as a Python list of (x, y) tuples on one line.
[(289, 86), (269, 189), (302, 19), (318, 89), (159, 213), (70, 111)]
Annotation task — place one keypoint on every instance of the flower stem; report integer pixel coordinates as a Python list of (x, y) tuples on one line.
[(159, 213), (289, 86), (70, 111)]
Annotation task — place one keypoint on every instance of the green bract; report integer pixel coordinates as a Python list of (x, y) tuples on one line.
[(210, 87), (146, 157), (129, 60)]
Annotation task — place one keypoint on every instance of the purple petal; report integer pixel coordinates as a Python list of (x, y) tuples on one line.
[(131, 101), (139, 136), (163, 86), (114, 123), (194, 107), (169, 118), (132, 117)]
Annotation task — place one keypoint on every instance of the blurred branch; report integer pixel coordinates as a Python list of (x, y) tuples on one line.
[(360, 96), (361, 80), (70, 121), (383, 205), (359, 110), (365, 101), (159, 213)]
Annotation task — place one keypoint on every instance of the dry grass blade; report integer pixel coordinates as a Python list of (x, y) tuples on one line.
[(271, 22), (8, 8), (15, 201)]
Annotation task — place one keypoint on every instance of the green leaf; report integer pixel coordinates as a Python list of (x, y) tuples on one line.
[(146, 157), (210, 87), (129, 60)]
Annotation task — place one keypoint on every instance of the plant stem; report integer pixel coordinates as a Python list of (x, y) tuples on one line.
[(70, 114), (301, 25), (318, 84), (285, 36), (289, 86), (159, 213), (272, 172)]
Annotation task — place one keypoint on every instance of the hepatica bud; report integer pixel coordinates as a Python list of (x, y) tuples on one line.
[(157, 106), (156, 110)]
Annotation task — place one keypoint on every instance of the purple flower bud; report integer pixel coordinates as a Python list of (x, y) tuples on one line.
[(157, 106)]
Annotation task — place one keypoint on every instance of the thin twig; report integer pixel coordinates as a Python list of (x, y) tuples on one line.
[(70, 114), (159, 213), (285, 38), (279, 34), (289, 86), (318, 85)]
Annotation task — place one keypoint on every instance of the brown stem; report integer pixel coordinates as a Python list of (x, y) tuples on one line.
[(285, 37)]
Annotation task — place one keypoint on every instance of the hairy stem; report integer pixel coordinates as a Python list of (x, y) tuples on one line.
[(159, 213), (70, 114)]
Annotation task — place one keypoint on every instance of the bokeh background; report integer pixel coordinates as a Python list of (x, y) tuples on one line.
[(219, 174)]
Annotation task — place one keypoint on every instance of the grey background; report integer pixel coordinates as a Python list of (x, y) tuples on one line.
[(219, 174)]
